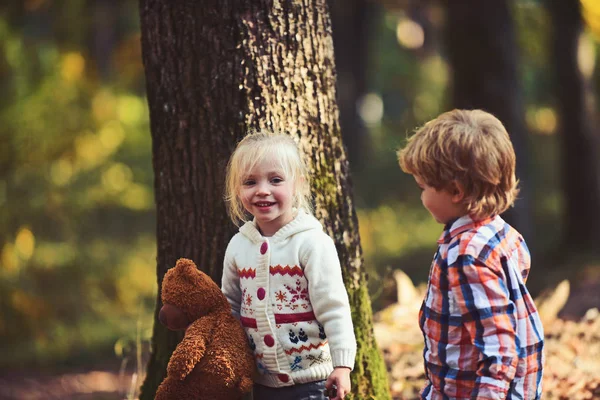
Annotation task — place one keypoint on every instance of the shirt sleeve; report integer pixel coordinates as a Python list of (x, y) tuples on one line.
[(489, 316), (230, 282), (329, 298)]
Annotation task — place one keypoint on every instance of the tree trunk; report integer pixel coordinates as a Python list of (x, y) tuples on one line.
[(481, 45), (214, 70), (579, 144), (352, 22), (104, 35)]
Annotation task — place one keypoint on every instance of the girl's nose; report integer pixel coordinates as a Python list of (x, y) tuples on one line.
[(263, 189)]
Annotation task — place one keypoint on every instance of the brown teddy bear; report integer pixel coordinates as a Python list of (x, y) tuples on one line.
[(213, 361)]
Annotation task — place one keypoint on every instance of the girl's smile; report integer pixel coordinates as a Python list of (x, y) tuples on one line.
[(263, 204)]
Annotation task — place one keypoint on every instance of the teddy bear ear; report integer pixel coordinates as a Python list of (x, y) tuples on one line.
[(186, 265)]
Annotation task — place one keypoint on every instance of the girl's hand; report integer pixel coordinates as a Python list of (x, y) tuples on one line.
[(340, 377)]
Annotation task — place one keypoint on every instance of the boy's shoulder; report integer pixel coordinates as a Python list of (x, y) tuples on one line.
[(484, 239)]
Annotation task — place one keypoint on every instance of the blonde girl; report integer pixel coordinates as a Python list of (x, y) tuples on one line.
[(282, 275)]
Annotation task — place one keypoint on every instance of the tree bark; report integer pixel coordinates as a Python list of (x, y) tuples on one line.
[(481, 45), (579, 143), (214, 70), (191, 65)]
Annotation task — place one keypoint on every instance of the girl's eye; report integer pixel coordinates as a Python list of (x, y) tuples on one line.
[(249, 182), (277, 180)]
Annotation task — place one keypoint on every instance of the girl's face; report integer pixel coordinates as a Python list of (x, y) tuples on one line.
[(268, 196)]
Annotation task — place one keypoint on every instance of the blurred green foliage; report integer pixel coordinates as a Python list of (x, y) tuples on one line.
[(77, 222), (77, 246)]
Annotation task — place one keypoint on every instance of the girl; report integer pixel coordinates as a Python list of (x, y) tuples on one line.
[(282, 275)]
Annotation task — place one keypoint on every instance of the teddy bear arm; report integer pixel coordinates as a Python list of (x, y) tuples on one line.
[(188, 353)]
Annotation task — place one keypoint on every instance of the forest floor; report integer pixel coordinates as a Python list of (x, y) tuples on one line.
[(80, 384), (571, 321)]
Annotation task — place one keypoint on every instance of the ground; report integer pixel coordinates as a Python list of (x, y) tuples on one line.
[(572, 353), (80, 384)]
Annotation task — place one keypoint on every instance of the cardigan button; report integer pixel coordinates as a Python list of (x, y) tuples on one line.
[(260, 293), (269, 341), (263, 248), (283, 378)]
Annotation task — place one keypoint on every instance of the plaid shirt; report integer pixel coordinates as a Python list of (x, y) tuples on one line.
[(483, 335)]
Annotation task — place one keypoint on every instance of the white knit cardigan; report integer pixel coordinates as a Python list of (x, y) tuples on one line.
[(288, 293)]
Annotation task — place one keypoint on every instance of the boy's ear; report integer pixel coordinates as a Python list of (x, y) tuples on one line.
[(458, 192)]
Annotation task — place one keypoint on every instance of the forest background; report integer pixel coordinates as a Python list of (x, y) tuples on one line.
[(77, 216)]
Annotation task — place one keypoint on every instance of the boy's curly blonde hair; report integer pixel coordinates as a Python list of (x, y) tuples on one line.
[(469, 147), (251, 150)]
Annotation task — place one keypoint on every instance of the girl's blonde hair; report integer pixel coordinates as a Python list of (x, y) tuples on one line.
[(470, 147), (253, 149)]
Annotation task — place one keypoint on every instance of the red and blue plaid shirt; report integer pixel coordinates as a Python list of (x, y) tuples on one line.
[(483, 335)]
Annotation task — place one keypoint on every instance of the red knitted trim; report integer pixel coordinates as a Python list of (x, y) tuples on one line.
[(249, 273), (294, 317), (306, 348), (287, 270), (248, 322), (281, 319)]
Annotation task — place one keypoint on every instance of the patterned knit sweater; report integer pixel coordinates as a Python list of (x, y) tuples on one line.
[(288, 293)]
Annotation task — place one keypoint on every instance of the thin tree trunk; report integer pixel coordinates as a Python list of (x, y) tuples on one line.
[(482, 52), (579, 143), (352, 22), (214, 70), (104, 35)]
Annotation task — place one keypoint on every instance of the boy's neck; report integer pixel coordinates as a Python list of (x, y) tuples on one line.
[(449, 224)]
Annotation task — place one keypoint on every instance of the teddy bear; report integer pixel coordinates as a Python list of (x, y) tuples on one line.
[(213, 361)]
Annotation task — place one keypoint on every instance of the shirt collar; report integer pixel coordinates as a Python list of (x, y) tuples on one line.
[(459, 225)]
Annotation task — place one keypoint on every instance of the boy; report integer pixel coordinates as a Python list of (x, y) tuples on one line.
[(483, 335)]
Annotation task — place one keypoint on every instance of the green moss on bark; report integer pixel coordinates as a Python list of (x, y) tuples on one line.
[(369, 377)]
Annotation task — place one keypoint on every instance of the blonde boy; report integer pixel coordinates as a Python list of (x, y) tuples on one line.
[(483, 336)]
